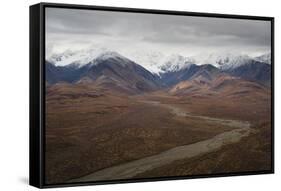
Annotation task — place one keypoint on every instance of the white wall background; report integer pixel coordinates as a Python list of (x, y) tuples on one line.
[(14, 39)]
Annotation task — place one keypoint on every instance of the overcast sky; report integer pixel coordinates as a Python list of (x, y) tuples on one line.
[(132, 32)]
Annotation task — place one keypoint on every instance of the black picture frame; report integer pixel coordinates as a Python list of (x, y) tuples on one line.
[(37, 92)]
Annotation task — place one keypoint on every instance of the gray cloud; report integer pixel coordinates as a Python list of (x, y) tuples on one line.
[(73, 28)]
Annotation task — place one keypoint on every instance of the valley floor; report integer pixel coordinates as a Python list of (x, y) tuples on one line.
[(134, 168), (102, 136)]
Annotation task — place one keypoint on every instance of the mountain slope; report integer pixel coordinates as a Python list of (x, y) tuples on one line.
[(253, 71), (115, 71), (109, 70), (69, 73), (222, 85), (192, 72)]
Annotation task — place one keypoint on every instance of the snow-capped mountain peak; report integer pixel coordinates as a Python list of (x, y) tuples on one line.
[(264, 58), (78, 58), (223, 61), (176, 62), (158, 63), (109, 54)]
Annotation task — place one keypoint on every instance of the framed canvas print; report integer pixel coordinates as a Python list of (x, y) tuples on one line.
[(128, 95)]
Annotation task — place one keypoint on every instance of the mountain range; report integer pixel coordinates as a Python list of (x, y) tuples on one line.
[(111, 70)]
